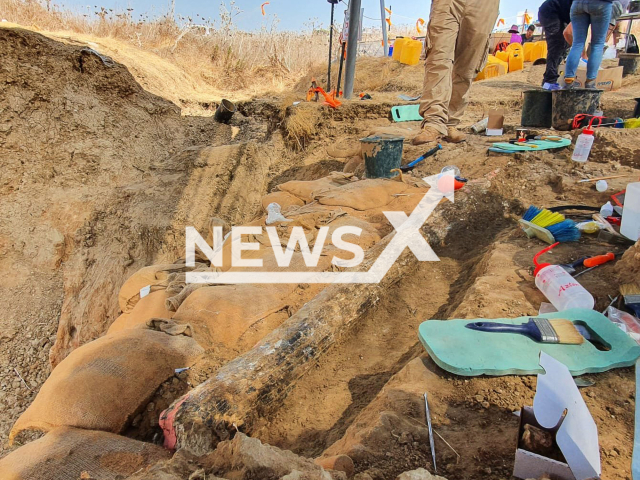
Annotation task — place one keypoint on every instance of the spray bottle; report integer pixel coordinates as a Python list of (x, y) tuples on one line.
[(561, 289)]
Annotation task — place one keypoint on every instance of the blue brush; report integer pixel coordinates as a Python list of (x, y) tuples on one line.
[(566, 231), (532, 213)]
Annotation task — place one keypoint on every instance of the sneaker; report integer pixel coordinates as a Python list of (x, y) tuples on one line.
[(427, 135), (590, 84), (551, 86), (455, 136), (570, 86)]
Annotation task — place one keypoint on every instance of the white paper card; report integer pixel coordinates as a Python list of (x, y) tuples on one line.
[(145, 291)]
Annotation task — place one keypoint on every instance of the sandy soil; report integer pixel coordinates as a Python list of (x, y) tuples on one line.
[(101, 177)]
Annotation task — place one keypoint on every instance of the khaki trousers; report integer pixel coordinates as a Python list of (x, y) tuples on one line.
[(457, 47)]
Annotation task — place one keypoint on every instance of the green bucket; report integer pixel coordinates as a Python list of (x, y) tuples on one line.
[(382, 154)]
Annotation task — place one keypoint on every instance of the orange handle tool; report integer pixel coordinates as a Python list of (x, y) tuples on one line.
[(599, 260)]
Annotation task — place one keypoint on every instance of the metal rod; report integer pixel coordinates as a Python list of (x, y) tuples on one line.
[(352, 47), (383, 16), (344, 47), (433, 447), (333, 6)]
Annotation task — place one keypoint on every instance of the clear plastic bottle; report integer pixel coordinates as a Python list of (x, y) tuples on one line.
[(561, 289), (583, 146), (631, 213)]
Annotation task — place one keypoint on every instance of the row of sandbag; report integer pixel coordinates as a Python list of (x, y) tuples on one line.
[(166, 324)]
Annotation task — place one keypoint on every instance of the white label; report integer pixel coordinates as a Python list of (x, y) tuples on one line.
[(145, 291)]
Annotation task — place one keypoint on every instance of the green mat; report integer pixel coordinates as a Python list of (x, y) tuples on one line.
[(466, 352), (529, 146), (406, 113)]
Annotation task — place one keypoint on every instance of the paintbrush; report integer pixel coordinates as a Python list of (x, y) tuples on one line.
[(541, 330), (631, 295)]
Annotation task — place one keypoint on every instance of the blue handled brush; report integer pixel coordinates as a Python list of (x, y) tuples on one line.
[(541, 330)]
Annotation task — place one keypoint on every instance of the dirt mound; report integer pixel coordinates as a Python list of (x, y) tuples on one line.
[(99, 179)]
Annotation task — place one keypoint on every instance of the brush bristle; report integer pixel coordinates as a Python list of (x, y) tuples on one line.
[(567, 332), (630, 289), (565, 231), (531, 213), (547, 218)]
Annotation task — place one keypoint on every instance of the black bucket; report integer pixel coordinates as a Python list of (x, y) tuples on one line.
[(630, 63), (537, 108), (382, 154), (224, 112), (569, 103)]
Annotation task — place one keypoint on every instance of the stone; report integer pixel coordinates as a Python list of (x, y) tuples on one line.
[(419, 474)]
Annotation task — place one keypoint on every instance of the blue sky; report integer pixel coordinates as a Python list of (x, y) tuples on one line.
[(292, 14)]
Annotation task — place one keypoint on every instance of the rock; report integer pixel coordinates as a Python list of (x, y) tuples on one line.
[(245, 458), (419, 474)]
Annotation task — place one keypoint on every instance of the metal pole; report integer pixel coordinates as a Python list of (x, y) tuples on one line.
[(333, 5), (352, 47), (344, 47), (383, 16)]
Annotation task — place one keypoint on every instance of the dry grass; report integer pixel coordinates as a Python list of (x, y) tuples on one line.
[(301, 123), (221, 56)]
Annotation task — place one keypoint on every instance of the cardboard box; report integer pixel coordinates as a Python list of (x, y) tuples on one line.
[(575, 433), (609, 78), (495, 125)]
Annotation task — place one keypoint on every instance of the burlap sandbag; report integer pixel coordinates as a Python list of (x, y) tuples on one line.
[(103, 384), (363, 195), (309, 190), (155, 276), (151, 306), (66, 453), (222, 314), (284, 199)]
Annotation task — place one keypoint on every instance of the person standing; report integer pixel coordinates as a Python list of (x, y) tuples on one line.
[(554, 16), (515, 34), (585, 13), (457, 45)]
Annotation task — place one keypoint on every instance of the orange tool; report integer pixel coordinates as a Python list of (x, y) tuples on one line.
[(599, 260)]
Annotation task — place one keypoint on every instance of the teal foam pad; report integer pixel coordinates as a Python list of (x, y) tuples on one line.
[(406, 113), (506, 147), (466, 352)]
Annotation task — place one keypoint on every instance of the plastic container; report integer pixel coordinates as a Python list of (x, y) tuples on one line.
[(583, 146), (489, 71), (537, 108), (398, 45), (382, 154), (602, 186), (224, 112), (516, 61), (515, 48), (561, 289), (631, 214), (569, 103), (529, 48), (504, 56), (539, 50), (630, 63), (411, 52)]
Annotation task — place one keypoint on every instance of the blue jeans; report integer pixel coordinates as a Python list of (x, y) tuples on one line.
[(596, 13)]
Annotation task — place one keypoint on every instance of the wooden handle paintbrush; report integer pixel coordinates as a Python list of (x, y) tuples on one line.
[(541, 330)]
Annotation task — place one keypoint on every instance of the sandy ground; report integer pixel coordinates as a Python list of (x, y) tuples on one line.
[(102, 176)]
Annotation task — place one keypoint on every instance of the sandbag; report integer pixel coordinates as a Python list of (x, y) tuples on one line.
[(151, 306), (154, 276), (65, 453), (363, 195), (103, 384), (284, 199), (308, 190), (222, 314)]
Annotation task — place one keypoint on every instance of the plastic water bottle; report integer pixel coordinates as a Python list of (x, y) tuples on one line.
[(583, 146), (631, 213), (562, 290)]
